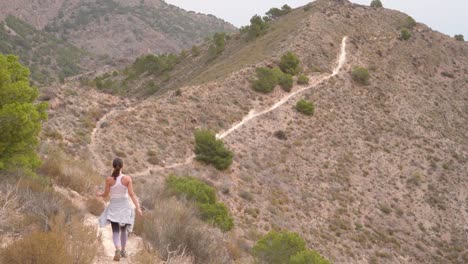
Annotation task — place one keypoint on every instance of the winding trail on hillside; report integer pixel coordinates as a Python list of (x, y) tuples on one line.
[(253, 114)]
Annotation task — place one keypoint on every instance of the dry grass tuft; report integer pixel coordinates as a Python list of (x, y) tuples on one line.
[(95, 206), (173, 226), (70, 173)]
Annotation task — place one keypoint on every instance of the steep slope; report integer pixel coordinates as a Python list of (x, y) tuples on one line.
[(48, 58), (377, 175), (119, 29)]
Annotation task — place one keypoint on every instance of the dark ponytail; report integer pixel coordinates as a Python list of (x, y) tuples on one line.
[(117, 164)]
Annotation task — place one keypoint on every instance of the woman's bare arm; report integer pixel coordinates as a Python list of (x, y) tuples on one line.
[(133, 196)]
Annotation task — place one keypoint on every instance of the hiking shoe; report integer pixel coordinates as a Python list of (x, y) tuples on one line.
[(117, 255), (123, 253)]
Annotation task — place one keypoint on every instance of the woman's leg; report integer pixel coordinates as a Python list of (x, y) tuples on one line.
[(115, 235), (123, 236)]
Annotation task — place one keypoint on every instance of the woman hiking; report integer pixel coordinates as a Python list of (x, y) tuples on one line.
[(120, 213)]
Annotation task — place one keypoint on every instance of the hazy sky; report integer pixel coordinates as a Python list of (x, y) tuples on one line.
[(447, 16)]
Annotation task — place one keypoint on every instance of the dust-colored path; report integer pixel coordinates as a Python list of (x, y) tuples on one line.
[(252, 115)]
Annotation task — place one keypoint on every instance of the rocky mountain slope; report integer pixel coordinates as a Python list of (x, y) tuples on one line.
[(376, 175), (120, 29)]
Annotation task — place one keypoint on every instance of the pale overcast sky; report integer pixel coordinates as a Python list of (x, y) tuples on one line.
[(447, 16)]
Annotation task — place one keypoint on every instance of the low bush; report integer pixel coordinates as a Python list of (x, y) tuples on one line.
[(275, 13), (191, 188), (305, 107), (277, 248), (173, 225), (405, 34), (360, 75), (267, 79), (219, 43), (258, 27), (212, 151), (459, 37), (290, 63), (195, 51), (285, 248), (410, 22), (376, 3), (303, 80), (308, 257), (216, 214), (204, 196), (286, 82), (280, 134)]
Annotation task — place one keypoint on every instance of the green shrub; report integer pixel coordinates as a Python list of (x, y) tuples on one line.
[(376, 3), (278, 248), (308, 257), (290, 63), (305, 107), (410, 22), (219, 43), (459, 37), (405, 34), (204, 196), (286, 82), (303, 80), (212, 151), (267, 79), (195, 51), (155, 64), (274, 12), (191, 188), (360, 75), (21, 117), (258, 27), (216, 214)]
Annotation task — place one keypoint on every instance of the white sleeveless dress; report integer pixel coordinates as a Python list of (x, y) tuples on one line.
[(119, 209)]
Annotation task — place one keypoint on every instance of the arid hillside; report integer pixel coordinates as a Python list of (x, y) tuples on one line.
[(122, 30), (377, 175)]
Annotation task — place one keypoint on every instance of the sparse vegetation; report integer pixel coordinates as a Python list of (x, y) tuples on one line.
[(405, 34), (267, 80), (219, 43), (212, 151), (459, 37), (290, 63), (275, 13), (285, 248), (204, 196), (360, 75), (303, 80), (376, 3), (305, 107), (21, 117)]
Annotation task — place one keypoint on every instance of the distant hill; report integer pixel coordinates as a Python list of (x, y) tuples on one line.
[(122, 30), (48, 58)]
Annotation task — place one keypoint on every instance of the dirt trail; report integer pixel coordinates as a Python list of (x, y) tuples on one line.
[(252, 115)]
